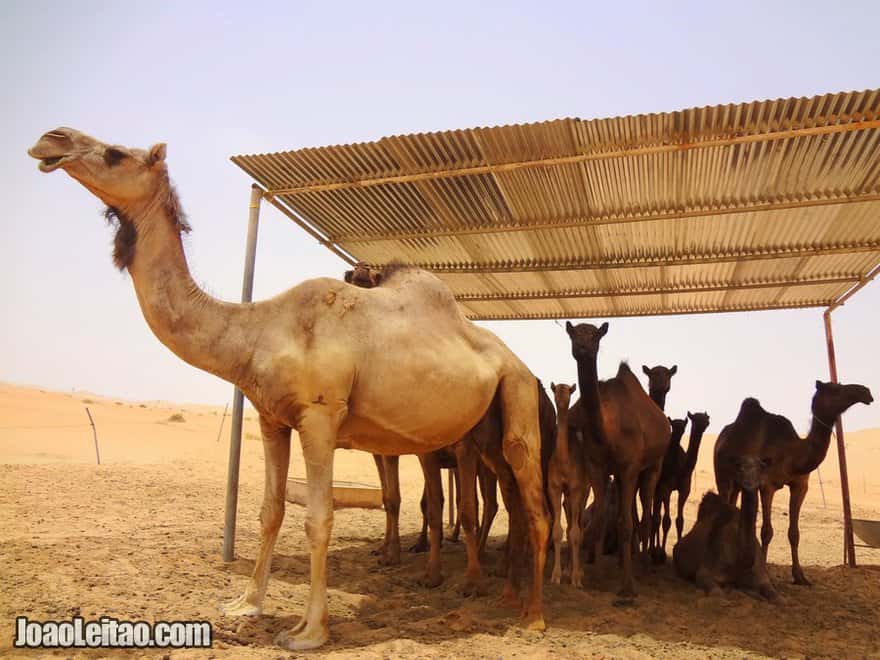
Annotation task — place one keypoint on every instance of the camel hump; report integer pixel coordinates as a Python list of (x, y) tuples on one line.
[(624, 370), (750, 409), (711, 504)]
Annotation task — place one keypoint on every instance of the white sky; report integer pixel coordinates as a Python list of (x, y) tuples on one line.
[(216, 79)]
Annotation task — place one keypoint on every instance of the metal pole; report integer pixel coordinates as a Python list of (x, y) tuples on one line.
[(849, 550), (247, 290)]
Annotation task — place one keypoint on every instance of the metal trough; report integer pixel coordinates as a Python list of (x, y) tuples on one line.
[(868, 531), (346, 494)]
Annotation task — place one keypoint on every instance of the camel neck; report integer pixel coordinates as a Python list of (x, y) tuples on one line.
[(588, 382), (816, 446), (659, 398), (562, 434), (693, 450), (205, 332)]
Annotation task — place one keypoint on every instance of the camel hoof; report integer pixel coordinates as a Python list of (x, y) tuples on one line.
[(577, 581), (534, 622), (556, 577), (302, 641), (240, 607), (389, 560), (508, 599), (419, 546), (430, 581), (473, 589), (658, 556), (801, 580)]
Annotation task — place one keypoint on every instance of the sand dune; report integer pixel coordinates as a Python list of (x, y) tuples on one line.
[(139, 537)]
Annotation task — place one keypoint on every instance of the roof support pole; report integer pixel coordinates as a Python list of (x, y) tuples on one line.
[(849, 550), (247, 291)]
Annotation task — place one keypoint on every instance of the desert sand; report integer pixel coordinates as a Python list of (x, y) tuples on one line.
[(139, 537)]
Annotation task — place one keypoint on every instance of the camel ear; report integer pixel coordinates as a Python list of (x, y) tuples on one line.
[(646, 370), (669, 418), (690, 417), (819, 384), (552, 386), (603, 329), (673, 370), (348, 276), (569, 328), (574, 388), (157, 153)]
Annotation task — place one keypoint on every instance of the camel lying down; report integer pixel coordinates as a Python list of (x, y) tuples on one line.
[(721, 550)]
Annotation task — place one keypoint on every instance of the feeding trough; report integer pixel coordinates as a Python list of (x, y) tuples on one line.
[(346, 494), (868, 531)]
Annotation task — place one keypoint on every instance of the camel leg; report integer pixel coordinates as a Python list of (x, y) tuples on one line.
[(434, 486), (596, 531), (389, 475), (489, 492), (797, 492), (276, 450), (318, 437), (578, 495), (627, 490), (456, 530), (767, 494), (554, 493), (422, 545), (667, 519), (521, 445), (647, 488), (468, 458), (683, 493)]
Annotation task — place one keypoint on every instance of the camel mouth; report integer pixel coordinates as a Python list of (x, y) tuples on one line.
[(49, 162), (53, 150)]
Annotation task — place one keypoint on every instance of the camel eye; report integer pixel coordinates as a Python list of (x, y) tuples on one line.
[(113, 156)]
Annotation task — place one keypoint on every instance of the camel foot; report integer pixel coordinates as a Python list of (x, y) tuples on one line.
[(624, 602), (303, 639), (534, 622), (421, 545), (658, 555), (508, 599), (240, 607), (801, 579), (556, 575), (389, 558), (430, 581), (627, 592), (473, 588), (577, 580)]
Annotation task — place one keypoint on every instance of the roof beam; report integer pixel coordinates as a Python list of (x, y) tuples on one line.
[(647, 291), (646, 312), (682, 214), (806, 131), (681, 259)]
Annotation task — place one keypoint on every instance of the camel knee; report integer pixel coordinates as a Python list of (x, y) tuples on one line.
[(318, 528), (794, 536), (767, 534), (271, 516)]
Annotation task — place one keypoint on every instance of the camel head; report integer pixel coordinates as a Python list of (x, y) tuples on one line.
[(699, 421), (659, 378), (562, 395), (833, 399), (122, 178), (750, 471), (585, 338), (678, 427)]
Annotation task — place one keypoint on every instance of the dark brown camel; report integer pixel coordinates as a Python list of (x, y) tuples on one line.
[(789, 458), (625, 434), (677, 475), (721, 550), (659, 382), (567, 477)]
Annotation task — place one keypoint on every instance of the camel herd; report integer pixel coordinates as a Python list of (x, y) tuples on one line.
[(388, 364)]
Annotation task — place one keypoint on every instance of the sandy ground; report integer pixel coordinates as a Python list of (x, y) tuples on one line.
[(139, 536)]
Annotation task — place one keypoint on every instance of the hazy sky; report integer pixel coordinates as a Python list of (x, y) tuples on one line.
[(216, 79)]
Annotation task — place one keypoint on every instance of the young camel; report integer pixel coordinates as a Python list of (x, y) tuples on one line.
[(625, 435), (567, 477), (677, 476), (343, 365), (665, 484), (789, 458)]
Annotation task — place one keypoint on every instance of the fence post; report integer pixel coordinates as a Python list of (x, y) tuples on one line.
[(95, 434)]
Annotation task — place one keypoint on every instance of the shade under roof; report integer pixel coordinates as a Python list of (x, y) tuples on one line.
[(763, 205)]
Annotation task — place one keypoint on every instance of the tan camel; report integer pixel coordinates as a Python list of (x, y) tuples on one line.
[(721, 550), (789, 458), (567, 478), (343, 365), (625, 435)]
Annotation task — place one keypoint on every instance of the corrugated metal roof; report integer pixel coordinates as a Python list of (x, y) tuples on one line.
[(763, 205)]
